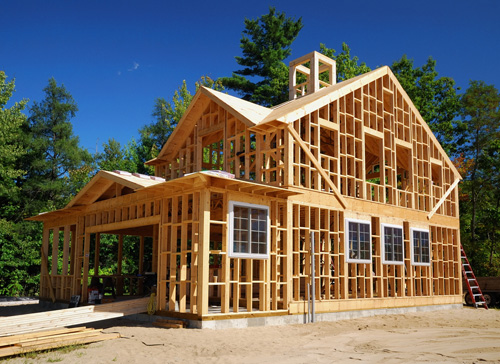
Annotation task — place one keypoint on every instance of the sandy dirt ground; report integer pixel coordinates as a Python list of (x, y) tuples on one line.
[(451, 336)]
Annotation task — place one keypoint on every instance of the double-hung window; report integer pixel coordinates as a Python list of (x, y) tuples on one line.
[(420, 252), (358, 241), (248, 230), (392, 246)]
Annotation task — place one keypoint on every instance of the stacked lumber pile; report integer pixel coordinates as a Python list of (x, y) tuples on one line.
[(170, 324), (24, 343), (50, 320)]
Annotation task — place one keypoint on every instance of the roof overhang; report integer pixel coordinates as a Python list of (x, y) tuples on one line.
[(221, 180)]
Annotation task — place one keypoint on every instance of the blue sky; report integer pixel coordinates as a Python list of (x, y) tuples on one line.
[(117, 57)]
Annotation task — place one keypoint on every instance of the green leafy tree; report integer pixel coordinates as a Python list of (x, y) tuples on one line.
[(435, 98), (19, 259), (347, 65), (11, 147), (116, 157), (479, 146), (166, 115), (53, 151), (266, 43)]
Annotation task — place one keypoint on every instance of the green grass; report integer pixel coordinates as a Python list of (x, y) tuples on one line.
[(54, 360), (62, 350)]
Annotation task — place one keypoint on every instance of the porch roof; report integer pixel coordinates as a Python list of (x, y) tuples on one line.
[(216, 180)]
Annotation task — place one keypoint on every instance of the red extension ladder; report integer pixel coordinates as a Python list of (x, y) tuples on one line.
[(470, 279)]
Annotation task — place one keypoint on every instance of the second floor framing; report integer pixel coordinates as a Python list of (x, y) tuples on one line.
[(361, 138)]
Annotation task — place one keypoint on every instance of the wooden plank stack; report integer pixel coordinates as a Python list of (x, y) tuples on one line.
[(51, 339), (33, 322)]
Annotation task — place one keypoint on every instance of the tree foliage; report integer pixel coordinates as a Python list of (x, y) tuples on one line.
[(347, 65), (19, 261), (116, 157), (40, 159), (480, 190), (265, 43), (11, 147), (53, 151), (166, 115)]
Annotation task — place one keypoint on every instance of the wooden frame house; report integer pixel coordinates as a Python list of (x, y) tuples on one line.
[(239, 188)]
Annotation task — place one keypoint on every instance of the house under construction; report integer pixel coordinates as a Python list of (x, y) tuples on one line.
[(241, 191)]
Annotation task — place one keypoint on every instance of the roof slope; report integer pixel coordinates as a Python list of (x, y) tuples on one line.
[(103, 180), (245, 111)]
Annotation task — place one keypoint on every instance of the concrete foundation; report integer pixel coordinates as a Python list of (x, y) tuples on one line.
[(296, 319)]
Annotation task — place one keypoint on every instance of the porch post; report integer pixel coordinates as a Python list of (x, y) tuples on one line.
[(55, 250), (120, 254), (203, 259), (44, 268), (96, 253), (141, 255), (67, 233), (85, 279)]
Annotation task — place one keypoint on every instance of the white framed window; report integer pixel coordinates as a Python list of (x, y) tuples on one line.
[(358, 241), (249, 230), (420, 247), (392, 244)]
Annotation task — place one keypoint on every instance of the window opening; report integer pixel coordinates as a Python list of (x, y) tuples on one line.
[(249, 230), (358, 241), (420, 247), (393, 248), (403, 156)]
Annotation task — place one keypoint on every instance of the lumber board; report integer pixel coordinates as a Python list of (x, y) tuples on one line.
[(19, 303), (10, 340), (15, 350), (57, 338), (167, 325), (170, 321)]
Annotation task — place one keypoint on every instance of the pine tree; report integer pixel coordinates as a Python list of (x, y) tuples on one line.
[(53, 151), (479, 146), (347, 65), (265, 44)]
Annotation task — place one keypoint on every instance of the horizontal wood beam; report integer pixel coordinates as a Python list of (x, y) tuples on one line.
[(436, 161), (211, 129), (403, 144), (123, 224), (328, 124), (373, 132)]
